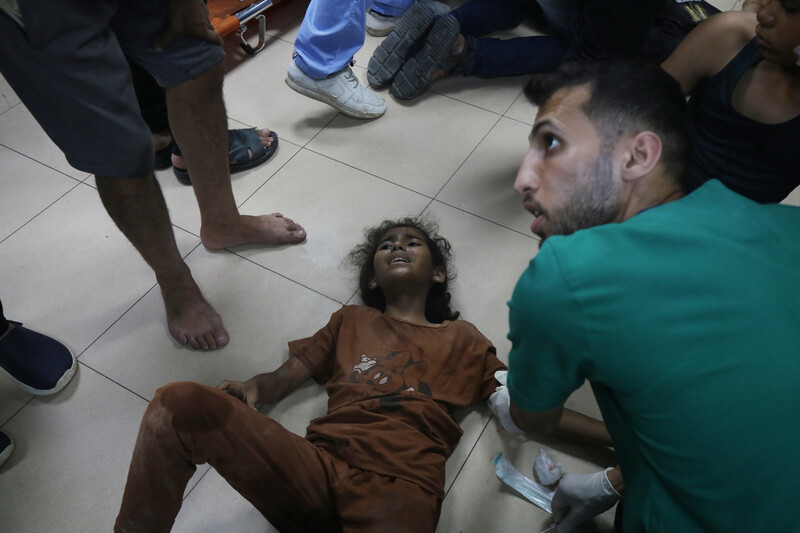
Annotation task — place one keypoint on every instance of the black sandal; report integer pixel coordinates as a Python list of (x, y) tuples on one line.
[(241, 143)]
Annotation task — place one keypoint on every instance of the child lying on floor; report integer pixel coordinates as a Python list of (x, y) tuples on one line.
[(394, 371)]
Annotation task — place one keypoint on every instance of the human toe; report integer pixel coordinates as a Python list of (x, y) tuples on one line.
[(221, 339)]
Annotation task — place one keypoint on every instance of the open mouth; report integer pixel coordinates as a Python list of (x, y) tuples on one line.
[(399, 260), (532, 208)]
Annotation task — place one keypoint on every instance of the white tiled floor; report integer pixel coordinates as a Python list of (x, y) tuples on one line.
[(69, 272)]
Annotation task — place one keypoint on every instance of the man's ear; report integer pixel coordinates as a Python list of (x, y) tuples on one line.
[(641, 154), (439, 274)]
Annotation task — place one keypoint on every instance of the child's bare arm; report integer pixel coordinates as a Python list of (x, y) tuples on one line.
[(269, 387), (709, 47)]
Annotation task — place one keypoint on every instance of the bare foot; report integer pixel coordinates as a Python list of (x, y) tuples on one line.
[(263, 229), (457, 49), (266, 140), (190, 318)]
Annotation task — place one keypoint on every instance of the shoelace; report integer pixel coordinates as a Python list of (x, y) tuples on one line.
[(350, 77)]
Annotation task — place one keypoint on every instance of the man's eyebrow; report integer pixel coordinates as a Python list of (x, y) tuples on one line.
[(538, 126)]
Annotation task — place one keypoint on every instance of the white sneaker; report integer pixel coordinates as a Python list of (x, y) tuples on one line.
[(341, 90), (380, 25)]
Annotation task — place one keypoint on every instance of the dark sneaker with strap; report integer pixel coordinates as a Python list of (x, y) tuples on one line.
[(392, 53), (435, 55), (39, 364), (6, 447)]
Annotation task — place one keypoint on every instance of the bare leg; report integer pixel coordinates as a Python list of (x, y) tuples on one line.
[(263, 134), (138, 209), (197, 117)]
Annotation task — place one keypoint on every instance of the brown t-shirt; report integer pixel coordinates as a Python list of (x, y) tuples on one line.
[(392, 388)]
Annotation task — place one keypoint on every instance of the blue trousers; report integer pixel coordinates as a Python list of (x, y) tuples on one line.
[(392, 8), (334, 30), (522, 55)]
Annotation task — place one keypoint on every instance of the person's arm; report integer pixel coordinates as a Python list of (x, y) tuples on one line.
[(269, 387), (564, 423), (709, 47)]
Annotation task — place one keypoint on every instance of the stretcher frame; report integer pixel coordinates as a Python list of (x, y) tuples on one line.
[(237, 22)]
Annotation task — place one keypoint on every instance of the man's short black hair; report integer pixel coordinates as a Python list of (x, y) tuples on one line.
[(627, 97)]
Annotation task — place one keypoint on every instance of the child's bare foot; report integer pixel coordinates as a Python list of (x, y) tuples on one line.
[(263, 229), (190, 318), (264, 135)]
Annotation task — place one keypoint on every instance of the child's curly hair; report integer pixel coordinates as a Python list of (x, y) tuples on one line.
[(437, 306)]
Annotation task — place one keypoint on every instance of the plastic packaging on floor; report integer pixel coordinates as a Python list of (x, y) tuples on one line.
[(546, 470), (532, 491)]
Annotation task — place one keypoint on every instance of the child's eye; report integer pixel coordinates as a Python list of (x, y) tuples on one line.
[(385, 246), (415, 243)]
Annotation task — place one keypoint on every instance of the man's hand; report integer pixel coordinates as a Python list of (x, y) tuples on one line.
[(580, 497), (500, 404), (246, 391), (188, 17)]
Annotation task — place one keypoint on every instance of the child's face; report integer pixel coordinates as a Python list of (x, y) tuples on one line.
[(778, 31), (403, 254)]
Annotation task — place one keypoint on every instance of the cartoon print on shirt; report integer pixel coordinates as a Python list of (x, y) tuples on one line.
[(391, 374)]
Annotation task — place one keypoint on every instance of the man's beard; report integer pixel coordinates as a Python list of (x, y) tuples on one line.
[(593, 205)]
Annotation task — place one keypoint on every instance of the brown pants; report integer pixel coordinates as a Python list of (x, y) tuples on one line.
[(293, 483)]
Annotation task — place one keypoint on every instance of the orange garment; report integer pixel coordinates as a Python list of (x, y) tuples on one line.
[(392, 388)]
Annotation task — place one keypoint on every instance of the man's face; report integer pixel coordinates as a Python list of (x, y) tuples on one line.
[(567, 181)]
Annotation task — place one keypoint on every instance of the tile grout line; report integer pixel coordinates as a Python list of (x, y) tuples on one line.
[(368, 173), (499, 117), (4, 239), (116, 320), (115, 382), (80, 363), (530, 236), (466, 459), (88, 174), (284, 276)]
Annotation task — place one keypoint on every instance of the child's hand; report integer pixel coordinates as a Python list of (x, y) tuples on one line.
[(500, 405), (246, 391)]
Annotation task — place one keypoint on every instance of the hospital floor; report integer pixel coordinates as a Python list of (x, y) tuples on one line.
[(67, 271)]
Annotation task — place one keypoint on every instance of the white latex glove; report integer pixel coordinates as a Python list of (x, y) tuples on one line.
[(500, 403), (580, 497)]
